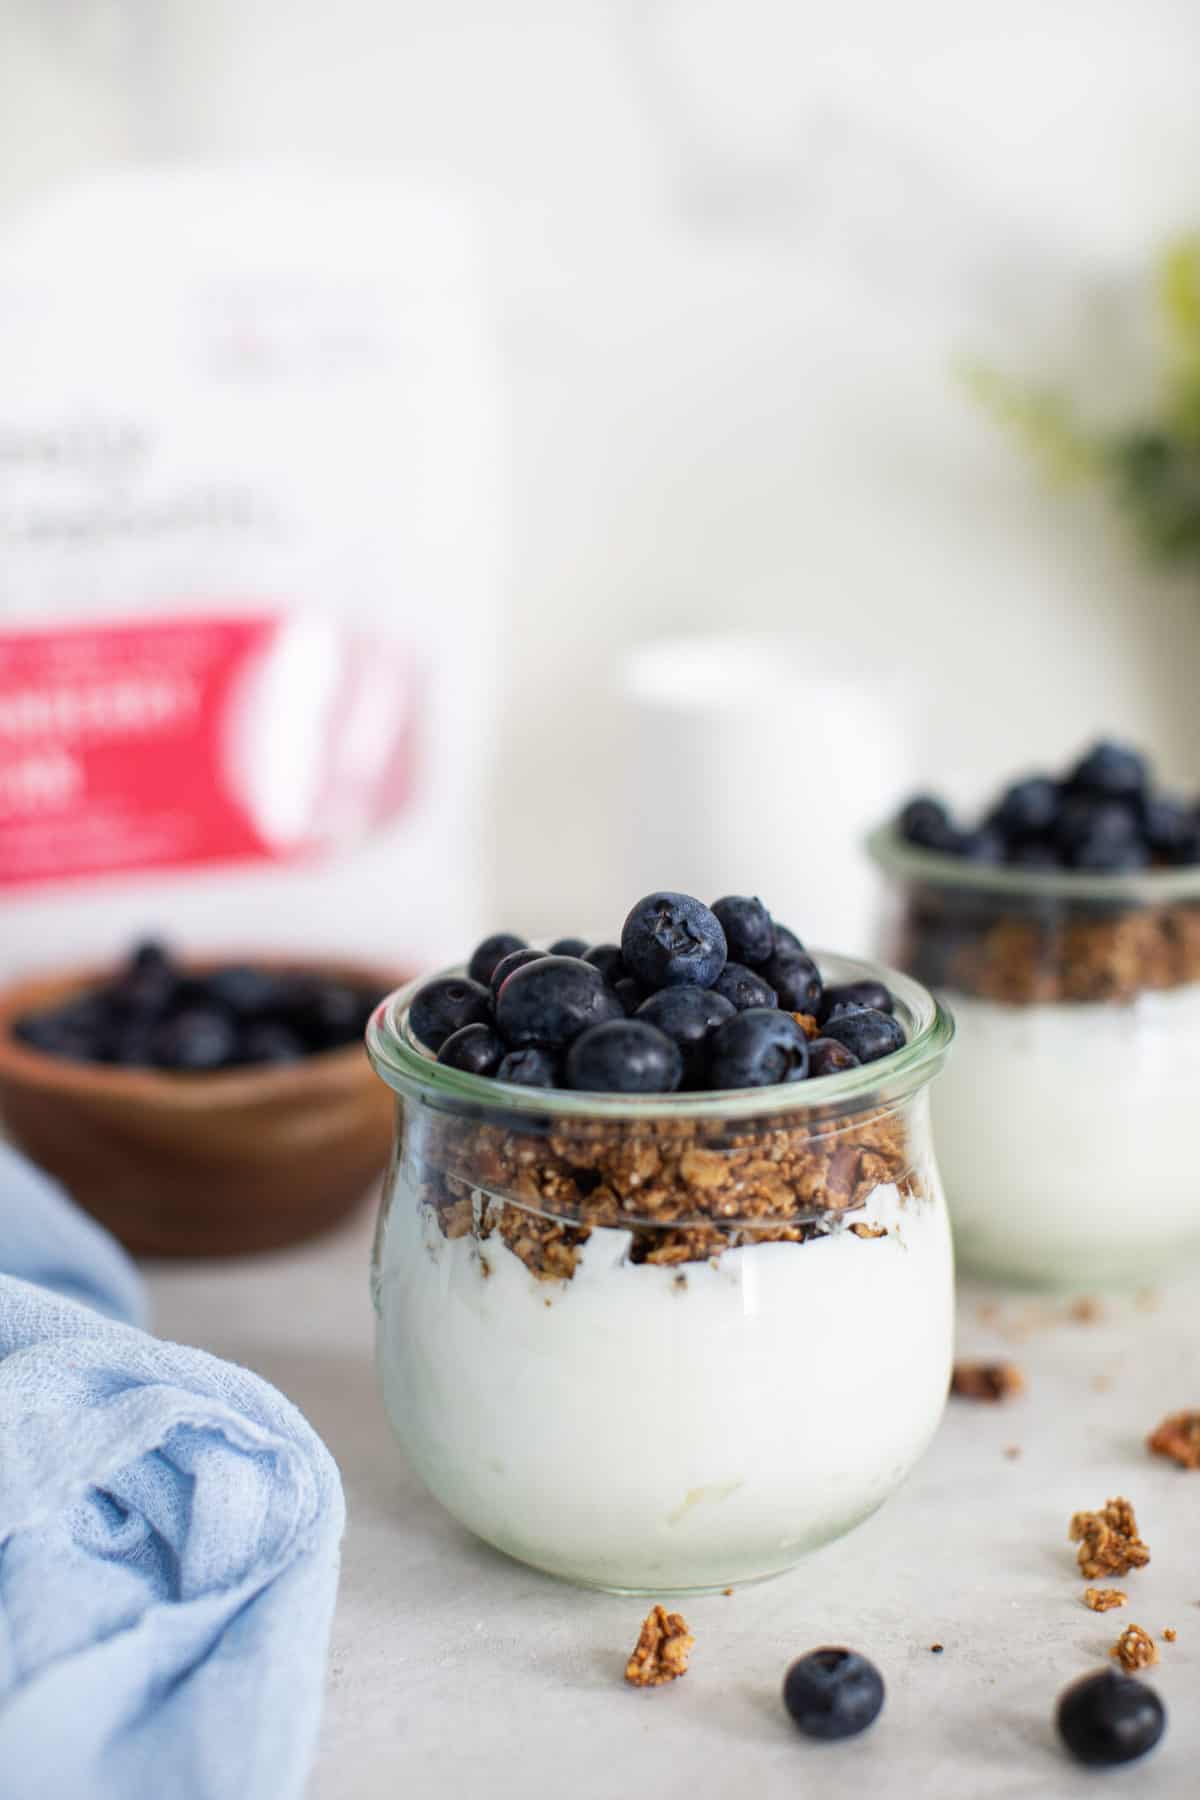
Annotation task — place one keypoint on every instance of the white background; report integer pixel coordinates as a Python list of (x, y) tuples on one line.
[(736, 247)]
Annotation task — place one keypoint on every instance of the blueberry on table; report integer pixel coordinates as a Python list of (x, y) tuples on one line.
[(1109, 1718), (673, 940), (516, 959), (925, 822), (1112, 770), (624, 1056), (552, 1000), (827, 1057), (477, 1049), (749, 931), (568, 947), (687, 1015), (833, 1693), (744, 987), (198, 1040), (796, 980), (529, 1068), (444, 1006), (854, 994), (492, 950), (757, 1048), (868, 1034), (608, 959), (1027, 807)]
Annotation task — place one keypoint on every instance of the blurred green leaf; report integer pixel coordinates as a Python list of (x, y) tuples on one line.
[(1041, 418)]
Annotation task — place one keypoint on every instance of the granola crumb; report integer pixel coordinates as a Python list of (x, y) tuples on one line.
[(1085, 1310), (727, 1592), (1102, 1383), (1135, 1649), (661, 1652), (1170, 1634), (1108, 1540), (986, 1381), (1012, 1451), (1103, 1599), (937, 1648), (1146, 1300), (861, 1229), (1178, 1437)]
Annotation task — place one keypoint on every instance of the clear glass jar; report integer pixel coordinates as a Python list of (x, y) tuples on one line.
[(664, 1344), (1065, 1124)]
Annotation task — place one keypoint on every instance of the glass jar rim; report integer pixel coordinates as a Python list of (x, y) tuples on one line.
[(1142, 887), (408, 1069)]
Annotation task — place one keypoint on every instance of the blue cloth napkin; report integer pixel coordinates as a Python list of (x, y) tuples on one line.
[(169, 1530)]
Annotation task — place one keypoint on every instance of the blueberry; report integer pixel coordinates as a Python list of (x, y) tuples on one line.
[(855, 994), (333, 1013), (796, 980), (196, 1040), (269, 1041), (150, 953), (827, 1057), (446, 1005), (245, 992), (516, 959), (983, 845), (1034, 853), (552, 1000), (673, 940), (529, 1068), (1187, 854), (1167, 824), (926, 823), (833, 1693), (1111, 770), (148, 985), (785, 940), (1085, 820), (687, 1016), (1109, 1718), (757, 1048), (492, 950), (608, 959), (1106, 856), (479, 1049), (744, 987), (624, 1056), (749, 933), (1027, 807), (630, 993), (568, 947), (54, 1036), (868, 1034)]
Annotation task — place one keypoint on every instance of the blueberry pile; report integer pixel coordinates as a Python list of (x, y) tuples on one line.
[(1104, 817), (154, 1014), (693, 997)]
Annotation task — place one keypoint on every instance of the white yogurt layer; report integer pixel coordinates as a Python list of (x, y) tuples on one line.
[(1066, 1136), (647, 1427)]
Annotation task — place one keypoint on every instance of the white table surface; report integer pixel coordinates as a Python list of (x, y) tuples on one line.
[(454, 1672)]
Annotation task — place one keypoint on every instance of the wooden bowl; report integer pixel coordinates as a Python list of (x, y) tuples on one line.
[(199, 1165)]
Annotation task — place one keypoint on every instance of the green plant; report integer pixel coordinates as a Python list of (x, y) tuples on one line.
[(1150, 467)]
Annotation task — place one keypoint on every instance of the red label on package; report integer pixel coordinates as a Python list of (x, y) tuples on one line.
[(194, 740)]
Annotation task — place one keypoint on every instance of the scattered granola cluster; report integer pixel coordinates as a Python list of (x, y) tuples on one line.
[(1108, 1540), (662, 1650), (987, 1381), (693, 1190), (1008, 949), (1178, 1437), (1134, 1649), (1103, 1599)]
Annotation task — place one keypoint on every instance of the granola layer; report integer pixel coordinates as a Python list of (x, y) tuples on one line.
[(1025, 953), (685, 1190)]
